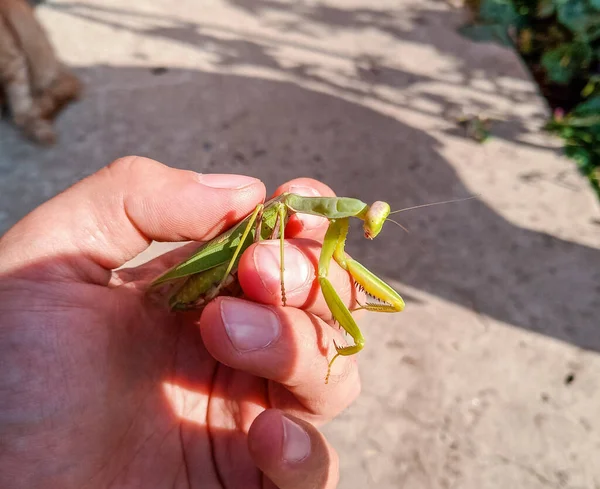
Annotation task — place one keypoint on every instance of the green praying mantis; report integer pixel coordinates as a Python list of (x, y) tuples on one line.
[(211, 270)]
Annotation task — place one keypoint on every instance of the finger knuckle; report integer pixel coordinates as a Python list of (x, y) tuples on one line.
[(122, 165), (127, 166)]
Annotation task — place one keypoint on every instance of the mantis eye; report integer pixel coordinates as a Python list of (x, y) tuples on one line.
[(374, 218)]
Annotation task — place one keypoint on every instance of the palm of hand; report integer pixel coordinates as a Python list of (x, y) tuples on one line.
[(100, 387), (135, 394)]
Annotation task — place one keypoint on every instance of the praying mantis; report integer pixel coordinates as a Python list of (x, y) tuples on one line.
[(211, 270)]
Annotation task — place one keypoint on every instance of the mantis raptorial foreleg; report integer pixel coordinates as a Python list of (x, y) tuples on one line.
[(334, 239), (333, 247)]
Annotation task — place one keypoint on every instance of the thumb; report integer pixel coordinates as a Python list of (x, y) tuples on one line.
[(113, 215)]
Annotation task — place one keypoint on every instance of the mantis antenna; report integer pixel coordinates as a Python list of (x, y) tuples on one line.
[(398, 224), (433, 203)]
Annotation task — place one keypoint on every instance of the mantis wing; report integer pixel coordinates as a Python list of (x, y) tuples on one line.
[(220, 250)]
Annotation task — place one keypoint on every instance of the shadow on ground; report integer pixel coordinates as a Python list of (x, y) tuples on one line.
[(373, 75), (465, 253)]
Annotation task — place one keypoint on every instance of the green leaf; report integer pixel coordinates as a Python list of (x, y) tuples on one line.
[(590, 107), (487, 33), (595, 4), (579, 18), (581, 155), (572, 13), (588, 89), (566, 61), (499, 12), (586, 121)]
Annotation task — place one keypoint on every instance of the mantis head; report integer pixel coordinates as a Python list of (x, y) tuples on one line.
[(374, 218)]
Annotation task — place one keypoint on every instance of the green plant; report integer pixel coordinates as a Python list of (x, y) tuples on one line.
[(581, 131), (560, 42)]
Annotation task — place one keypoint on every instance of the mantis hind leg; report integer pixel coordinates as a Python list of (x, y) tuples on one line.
[(334, 239)]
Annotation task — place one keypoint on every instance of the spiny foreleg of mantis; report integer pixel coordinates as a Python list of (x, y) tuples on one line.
[(333, 248)]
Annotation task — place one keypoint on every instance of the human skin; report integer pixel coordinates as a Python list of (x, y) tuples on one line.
[(101, 386)]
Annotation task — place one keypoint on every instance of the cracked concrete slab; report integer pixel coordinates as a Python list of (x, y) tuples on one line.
[(489, 379)]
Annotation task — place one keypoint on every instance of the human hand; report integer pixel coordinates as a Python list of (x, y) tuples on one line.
[(101, 387)]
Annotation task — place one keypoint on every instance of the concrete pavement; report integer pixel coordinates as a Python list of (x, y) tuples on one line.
[(490, 378)]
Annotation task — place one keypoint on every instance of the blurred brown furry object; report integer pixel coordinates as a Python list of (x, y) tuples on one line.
[(34, 85)]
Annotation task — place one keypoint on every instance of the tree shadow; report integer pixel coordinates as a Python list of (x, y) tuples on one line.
[(465, 253), (369, 76)]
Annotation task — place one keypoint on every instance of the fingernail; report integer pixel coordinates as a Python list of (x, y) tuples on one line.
[(298, 271), (222, 180), (249, 326), (296, 442), (308, 221)]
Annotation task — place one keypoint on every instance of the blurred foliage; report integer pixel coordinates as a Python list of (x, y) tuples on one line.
[(560, 42), (581, 131), (476, 127)]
